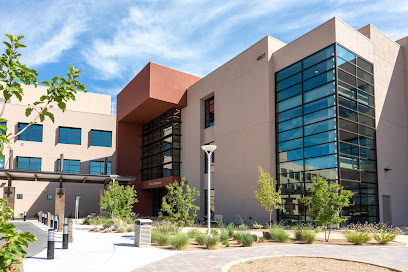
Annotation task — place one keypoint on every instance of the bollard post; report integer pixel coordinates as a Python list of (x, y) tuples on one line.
[(51, 244), (45, 219), (70, 231), (65, 237), (52, 221), (55, 222), (25, 216), (42, 218), (49, 219)]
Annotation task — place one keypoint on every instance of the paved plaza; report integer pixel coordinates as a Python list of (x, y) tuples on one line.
[(115, 252)]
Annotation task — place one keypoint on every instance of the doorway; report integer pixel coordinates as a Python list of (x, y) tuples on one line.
[(158, 195), (387, 215)]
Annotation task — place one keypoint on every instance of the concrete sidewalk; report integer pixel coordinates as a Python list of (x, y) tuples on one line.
[(95, 252)]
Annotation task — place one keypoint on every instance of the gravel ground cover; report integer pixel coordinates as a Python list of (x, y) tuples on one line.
[(289, 264)]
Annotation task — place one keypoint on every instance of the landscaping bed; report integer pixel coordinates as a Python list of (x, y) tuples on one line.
[(289, 264)]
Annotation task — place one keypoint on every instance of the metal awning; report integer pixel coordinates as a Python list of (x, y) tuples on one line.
[(10, 175)]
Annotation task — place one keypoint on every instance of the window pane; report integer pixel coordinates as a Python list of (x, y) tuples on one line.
[(347, 103), (368, 142), (364, 75), (329, 136), (320, 150), (365, 99), (290, 103), (347, 125), (367, 165), (321, 162), (290, 145), (293, 123), (319, 92), (289, 92), (345, 54), (320, 115), (320, 127), (368, 177), (294, 166), (348, 162), (318, 69), (318, 57), (347, 114), (366, 120), (293, 69), (367, 131), (349, 149), (346, 66), (289, 82), (347, 78), (328, 174), (290, 114), (291, 134), (347, 90), (365, 86), (318, 80), (351, 175), (367, 153), (292, 155), (320, 104), (365, 109), (348, 137), (364, 64)]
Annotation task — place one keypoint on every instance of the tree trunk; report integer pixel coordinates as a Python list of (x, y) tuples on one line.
[(270, 218)]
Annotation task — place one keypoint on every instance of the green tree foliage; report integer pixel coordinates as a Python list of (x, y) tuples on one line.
[(118, 200), (12, 251), (267, 195), (13, 74), (326, 202), (178, 204)]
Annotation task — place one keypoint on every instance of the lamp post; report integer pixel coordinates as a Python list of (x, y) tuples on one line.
[(209, 149), (113, 177)]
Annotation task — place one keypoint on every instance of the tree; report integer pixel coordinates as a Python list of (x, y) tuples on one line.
[(12, 252), (326, 202), (178, 204), (13, 74), (267, 195), (118, 200)]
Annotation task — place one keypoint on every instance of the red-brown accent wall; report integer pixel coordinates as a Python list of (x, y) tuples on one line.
[(153, 91)]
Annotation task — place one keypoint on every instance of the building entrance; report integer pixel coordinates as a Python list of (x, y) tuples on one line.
[(158, 195)]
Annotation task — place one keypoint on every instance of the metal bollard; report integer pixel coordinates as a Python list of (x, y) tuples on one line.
[(45, 219), (65, 237), (52, 221), (25, 216), (51, 244), (65, 220), (55, 222), (42, 218)]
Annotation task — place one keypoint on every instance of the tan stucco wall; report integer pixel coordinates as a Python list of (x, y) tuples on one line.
[(91, 112)]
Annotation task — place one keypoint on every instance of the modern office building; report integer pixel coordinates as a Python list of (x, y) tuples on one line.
[(84, 137), (332, 103)]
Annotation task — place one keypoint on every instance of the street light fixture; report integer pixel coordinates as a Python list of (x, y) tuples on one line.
[(113, 177), (209, 149)]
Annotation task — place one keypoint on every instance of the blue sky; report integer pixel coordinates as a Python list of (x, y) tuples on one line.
[(111, 41)]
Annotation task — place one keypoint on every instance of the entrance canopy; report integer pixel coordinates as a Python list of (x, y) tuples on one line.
[(10, 175)]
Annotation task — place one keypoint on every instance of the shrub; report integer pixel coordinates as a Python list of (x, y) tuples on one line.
[(318, 229), (224, 236), (257, 226), (384, 234), (193, 233), (226, 243), (200, 239), (261, 239), (245, 239), (211, 242), (130, 228), (309, 237), (299, 235), (214, 232), (243, 227), (160, 238), (357, 237), (279, 235), (179, 241), (166, 226), (231, 230)]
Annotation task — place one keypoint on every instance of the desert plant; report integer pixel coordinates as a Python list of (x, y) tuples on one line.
[(231, 230), (226, 243), (243, 227), (279, 235), (257, 226), (211, 242), (166, 226), (299, 235), (384, 234), (261, 240), (245, 239), (214, 232), (192, 233), (179, 241), (160, 238), (224, 236), (326, 202), (267, 195), (178, 204), (130, 228), (200, 239), (357, 237), (306, 236), (318, 229)]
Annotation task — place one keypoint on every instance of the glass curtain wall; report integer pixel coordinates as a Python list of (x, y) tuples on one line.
[(308, 115), (161, 146)]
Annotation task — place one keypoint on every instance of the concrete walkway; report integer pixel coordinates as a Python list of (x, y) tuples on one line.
[(94, 252), (396, 257)]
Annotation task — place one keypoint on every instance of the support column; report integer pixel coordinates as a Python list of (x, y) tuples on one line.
[(60, 201), (40, 214), (49, 219), (9, 194)]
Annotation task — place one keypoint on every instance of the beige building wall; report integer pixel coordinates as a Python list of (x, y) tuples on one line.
[(89, 111)]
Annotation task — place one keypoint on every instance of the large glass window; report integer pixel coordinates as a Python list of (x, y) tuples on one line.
[(209, 112), (33, 133), (67, 135), (98, 168), (28, 164), (70, 166), (101, 138)]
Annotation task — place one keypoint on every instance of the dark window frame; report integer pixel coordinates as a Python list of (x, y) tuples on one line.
[(209, 119)]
